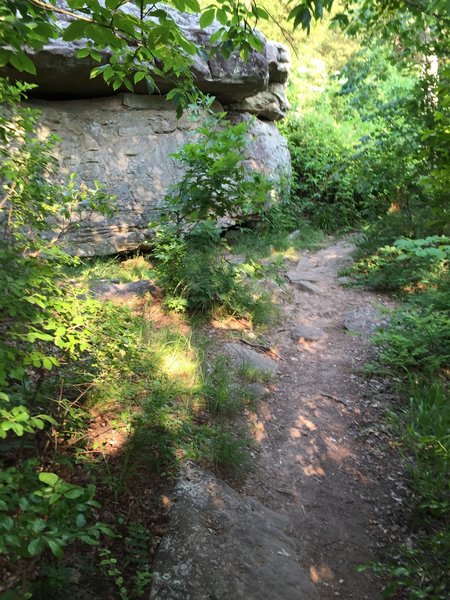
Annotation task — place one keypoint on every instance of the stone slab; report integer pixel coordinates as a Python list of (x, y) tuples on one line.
[(242, 356), (221, 545), (307, 333), (364, 320)]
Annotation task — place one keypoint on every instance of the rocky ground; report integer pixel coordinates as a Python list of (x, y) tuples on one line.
[(325, 491)]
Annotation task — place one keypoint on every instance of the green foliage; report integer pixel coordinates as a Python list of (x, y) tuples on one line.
[(44, 325), (221, 397), (323, 183), (215, 182), (416, 339), (136, 541), (364, 158), (416, 348), (407, 265), (190, 250), (226, 451), (40, 511), (420, 568), (427, 436)]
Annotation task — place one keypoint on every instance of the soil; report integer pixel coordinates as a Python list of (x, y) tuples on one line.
[(322, 458)]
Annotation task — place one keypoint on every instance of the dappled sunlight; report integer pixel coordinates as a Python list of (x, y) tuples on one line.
[(313, 471), (178, 365), (295, 433), (106, 436), (160, 318), (228, 322), (166, 501), (336, 452), (304, 422), (259, 431), (291, 254), (321, 573), (44, 132), (308, 467)]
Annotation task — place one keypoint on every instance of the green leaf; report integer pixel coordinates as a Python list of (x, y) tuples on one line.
[(49, 478), (139, 76), (83, 53), (74, 493), (80, 520), (127, 83), (17, 428), (207, 18), (35, 547), (55, 548), (75, 31), (47, 363), (22, 62), (193, 5), (222, 16), (38, 525)]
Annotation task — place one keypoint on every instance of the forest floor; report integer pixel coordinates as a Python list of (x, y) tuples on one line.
[(322, 460)]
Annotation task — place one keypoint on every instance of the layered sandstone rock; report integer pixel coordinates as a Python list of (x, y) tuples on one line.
[(125, 141)]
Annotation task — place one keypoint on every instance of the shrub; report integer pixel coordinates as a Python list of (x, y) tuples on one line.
[(45, 325), (189, 248)]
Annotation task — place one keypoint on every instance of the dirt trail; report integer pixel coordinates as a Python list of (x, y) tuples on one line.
[(320, 461)]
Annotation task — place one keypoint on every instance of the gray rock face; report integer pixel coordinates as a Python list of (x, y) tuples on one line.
[(365, 320), (61, 75), (244, 356), (307, 333), (221, 545), (270, 104), (125, 141), (113, 289)]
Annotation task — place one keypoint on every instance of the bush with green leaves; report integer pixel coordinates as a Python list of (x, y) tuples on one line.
[(41, 511), (189, 247), (46, 326), (408, 265), (324, 179), (416, 339)]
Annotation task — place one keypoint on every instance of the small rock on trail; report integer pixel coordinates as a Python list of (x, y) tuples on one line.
[(243, 356), (307, 333), (364, 319)]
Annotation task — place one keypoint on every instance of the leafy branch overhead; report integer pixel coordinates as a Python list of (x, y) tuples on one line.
[(133, 42), (142, 41)]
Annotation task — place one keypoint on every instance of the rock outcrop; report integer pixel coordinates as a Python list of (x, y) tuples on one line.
[(221, 545), (125, 140)]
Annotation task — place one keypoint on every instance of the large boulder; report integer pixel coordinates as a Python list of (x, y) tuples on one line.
[(125, 141), (60, 75)]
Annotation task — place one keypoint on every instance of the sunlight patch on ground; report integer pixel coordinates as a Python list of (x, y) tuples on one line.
[(304, 422), (320, 573)]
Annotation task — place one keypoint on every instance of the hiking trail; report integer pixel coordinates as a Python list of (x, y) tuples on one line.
[(324, 490)]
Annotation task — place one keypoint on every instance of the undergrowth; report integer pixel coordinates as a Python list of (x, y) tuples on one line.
[(415, 349)]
